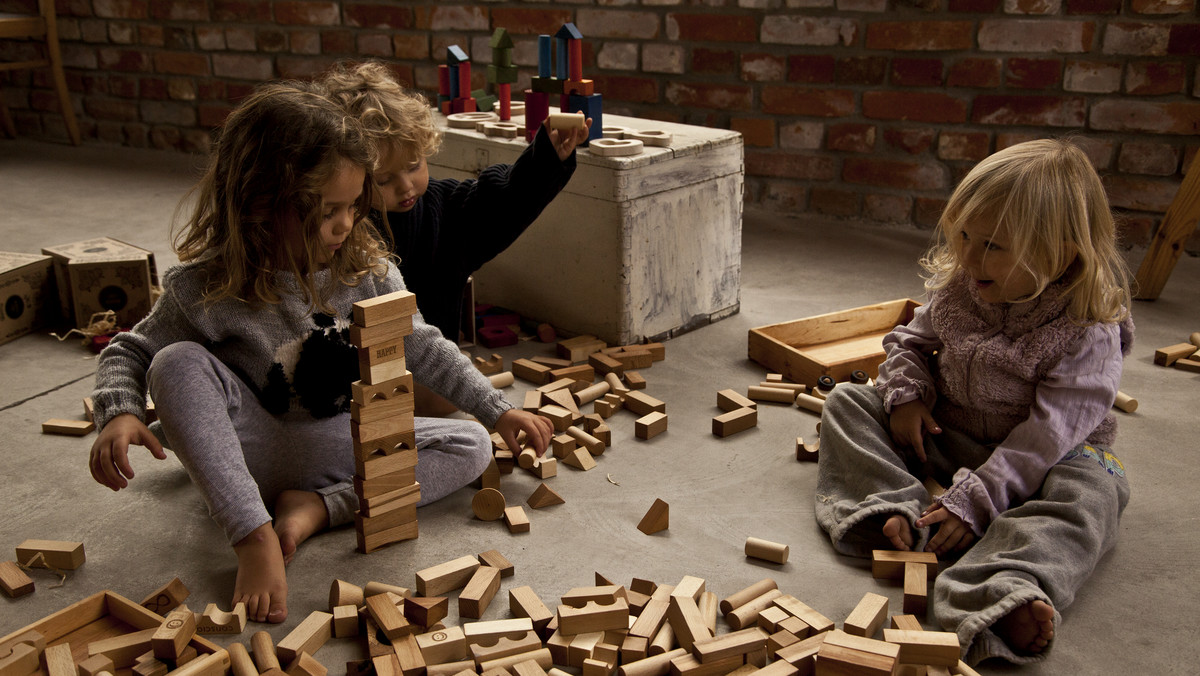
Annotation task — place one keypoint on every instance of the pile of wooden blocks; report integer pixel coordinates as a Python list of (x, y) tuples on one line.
[(55, 555), (382, 424), (1185, 356)]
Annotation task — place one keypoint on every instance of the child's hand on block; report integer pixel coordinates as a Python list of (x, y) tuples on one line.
[(538, 430), (565, 140)]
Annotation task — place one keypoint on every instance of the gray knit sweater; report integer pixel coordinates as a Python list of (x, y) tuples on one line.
[(292, 356)]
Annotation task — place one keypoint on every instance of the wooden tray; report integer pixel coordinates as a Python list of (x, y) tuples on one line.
[(102, 615), (834, 344)]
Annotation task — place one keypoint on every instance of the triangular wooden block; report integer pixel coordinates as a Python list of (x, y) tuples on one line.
[(544, 496), (580, 459), (657, 518), (426, 611), (563, 398)]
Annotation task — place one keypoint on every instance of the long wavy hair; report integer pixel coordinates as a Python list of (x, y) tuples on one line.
[(258, 207), (1050, 203)]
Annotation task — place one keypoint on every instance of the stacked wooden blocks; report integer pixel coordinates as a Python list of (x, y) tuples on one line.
[(385, 448)]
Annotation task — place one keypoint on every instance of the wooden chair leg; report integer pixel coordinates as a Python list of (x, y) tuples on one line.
[(60, 80), (1173, 232)]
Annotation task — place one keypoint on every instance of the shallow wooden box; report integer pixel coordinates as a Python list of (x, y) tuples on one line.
[(101, 615), (834, 344)]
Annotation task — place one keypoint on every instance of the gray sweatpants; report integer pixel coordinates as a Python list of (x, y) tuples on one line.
[(1044, 548), (241, 457)]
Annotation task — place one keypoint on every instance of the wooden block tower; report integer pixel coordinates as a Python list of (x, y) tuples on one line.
[(381, 423), (537, 97), (502, 72), (578, 95), (454, 83)]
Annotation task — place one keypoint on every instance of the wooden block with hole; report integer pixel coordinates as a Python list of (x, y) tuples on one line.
[(505, 646), (524, 602), (643, 404), (490, 366), (867, 617), (14, 581), (808, 451), (939, 648), (444, 577), (364, 394), (66, 427), (657, 518), (216, 621), (515, 519), (650, 425), (594, 616), (475, 598), (740, 420), (887, 564)]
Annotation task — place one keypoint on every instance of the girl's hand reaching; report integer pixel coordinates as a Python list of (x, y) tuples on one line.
[(109, 460), (565, 140), (952, 535), (909, 423), (538, 430)]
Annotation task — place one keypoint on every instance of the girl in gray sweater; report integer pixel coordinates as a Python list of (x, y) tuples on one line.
[(247, 354)]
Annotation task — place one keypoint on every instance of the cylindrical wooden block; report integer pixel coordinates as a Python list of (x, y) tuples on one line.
[(240, 662), (663, 640), (747, 614), (264, 651), (576, 60), (377, 588), (592, 444), (444, 81), (1125, 402), (501, 380), (810, 403), (748, 594), (592, 392), (342, 593), (213, 663), (614, 381), (488, 504), (766, 550), (567, 121), (527, 458), (760, 393), (794, 388), (1194, 339), (655, 665)]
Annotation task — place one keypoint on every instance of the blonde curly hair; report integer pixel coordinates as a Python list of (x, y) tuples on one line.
[(395, 118)]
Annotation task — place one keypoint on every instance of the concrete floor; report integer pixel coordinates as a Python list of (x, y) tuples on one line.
[(1135, 611)]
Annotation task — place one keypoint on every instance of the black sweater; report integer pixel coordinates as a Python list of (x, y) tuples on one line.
[(457, 226)]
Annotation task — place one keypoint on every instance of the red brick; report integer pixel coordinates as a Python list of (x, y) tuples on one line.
[(1036, 36), (861, 70), (254, 67), (714, 61), (916, 72), (1162, 6), (786, 196), (899, 174), (179, 63), (851, 137), (927, 211), (811, 68), (763, 67), (792, 29), (1146, 157), (802, 135), (974, 6), (920, 35), (120, 33), (914, 106), (304, 67), (240, 39), (181, 89), (110, 109), (712, 27), (1092, 77), (180, 10), (1134, 230), (626, 88), (799, 166), (1136, 39), (307, 13), (975, 73), (755, 131), (705, 95), (1184, 39), (1032, 6), (165, 138), (1033, 73), (887, 208), (273, 40), (1145, 116), (410, 46), (374, 44), (337, 42), (121, 9), (126, 60), (247, 11), (1093, 6), (166, 112), (784, 100), (912, 140), (123, 86), (608, 23), (523, 21), (832, 201), (1153, 78), (377, 15), (953, 145), (1042, 111), (1142, 194)]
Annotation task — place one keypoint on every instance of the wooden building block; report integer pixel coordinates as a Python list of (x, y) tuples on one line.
[(1125, 402), (843, 653), (444, 645), (593, 617), (474, 599), (60, 554), (515, 519), (657, 518), (939, 648), (580, 459), (307, 637), (643, 404), (591, 443), (887, 564), (505, 646), (386, 611), (578, 348), (604, 363), (562, 445), (746, 594), (617, 385), (345, 621), (408, 655), (123, 649), (540, 656), (365, 394), (810, 403), (306, 665), (634, 380), (739, 643), (67, 427), (495, 559), (95, 664), (766, 550), (583, 373), (867, 617), (531, 371), (544, 496), (686, 621), (1189, 365), (176, 631), (216, 621), (650, 425), (916, 588), (59, 661), (383, 332), (544, 468), (732, 400), (563, 398), (1166, 356), (402, 526), (488, 504), (524, 602), (385, 308), (654, 665), (342, 593), (166, 598), (793, 606), (770, 617), (23, 659), (731, 423), (426, 611), (375, 588), (439, 579), (558, 416), (13, 580), (906, 622), (808, 452), (490, 366), (747, 613), (774, 394)]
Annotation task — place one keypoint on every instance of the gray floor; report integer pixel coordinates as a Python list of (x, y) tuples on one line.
[(1136, 611)]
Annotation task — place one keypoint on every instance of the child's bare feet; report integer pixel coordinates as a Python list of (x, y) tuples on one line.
[(261, 581), (898, 531), (1028, 629), (298, 514)]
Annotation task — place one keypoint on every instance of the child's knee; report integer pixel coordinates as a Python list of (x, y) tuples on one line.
[(479, 451), (174, 360)]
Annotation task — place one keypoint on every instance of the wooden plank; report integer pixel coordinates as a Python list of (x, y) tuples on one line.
[(1167, 244)]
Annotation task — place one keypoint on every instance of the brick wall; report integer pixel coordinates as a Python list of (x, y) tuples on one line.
[(849, 108)]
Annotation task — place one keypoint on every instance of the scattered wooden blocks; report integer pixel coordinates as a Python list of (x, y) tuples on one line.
[(867, 617), (657, 518), (544, 496), (650, 425), (808, 452), (735, 421), (887, 564), (766, 550), (444, 577), (731, 400), (1167, 356), (307, 637)]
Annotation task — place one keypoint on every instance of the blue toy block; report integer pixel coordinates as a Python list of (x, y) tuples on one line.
[(455, 55), (591, 106), (568, 32), (544, 56)]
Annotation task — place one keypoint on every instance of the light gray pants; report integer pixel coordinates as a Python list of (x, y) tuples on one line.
[(242, 457), (1044, 548)]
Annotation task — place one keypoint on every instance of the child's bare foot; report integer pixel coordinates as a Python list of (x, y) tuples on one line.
[(898, 531), (261, 581), (1028, 629), (298, 514)]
